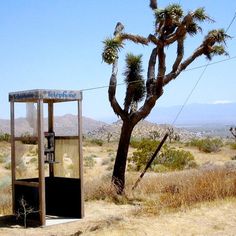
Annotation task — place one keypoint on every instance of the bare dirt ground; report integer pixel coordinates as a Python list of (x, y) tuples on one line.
[(102, 218)]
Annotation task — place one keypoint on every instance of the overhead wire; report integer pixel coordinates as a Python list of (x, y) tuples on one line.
[(181, 109), (205, 66), (198, 80), (133, 82)]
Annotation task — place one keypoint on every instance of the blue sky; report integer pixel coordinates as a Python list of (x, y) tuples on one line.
[(57, 44)]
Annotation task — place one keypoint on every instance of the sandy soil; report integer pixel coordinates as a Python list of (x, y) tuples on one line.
[(102, 218)]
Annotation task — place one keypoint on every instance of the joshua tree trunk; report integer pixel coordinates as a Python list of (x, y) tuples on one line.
[(118, 177)]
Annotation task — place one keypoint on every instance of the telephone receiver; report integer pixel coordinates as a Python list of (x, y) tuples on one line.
[(49, 148)]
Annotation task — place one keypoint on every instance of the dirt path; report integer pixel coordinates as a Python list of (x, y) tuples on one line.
[(102, 218)]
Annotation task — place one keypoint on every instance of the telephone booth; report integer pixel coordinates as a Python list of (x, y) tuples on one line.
[(47, 160)]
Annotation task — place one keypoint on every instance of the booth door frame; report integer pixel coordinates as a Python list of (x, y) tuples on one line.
[(41, 174)]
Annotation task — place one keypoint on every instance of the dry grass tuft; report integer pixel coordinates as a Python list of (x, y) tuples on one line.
[(164, 192), (185, 188), (98, 189), (5, 196)]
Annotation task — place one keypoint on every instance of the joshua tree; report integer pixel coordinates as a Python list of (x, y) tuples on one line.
[(172, 26)]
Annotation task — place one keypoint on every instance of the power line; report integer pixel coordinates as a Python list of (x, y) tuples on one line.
[(231, 22), (200, 77), (187, 70)]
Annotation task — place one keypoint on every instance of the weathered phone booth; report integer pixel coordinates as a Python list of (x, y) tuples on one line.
[(47, 162)]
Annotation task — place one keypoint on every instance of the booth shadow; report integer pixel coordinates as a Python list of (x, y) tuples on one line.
[(10, 221)]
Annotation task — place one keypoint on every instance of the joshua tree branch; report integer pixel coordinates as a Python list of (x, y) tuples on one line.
[(152, 38), (144, 110), (152, 98), (134, 38), (161, 71), (113, 80), (180, 54), (151, 72), (128, 98), (112, 91), (180, 31), (198, 52)]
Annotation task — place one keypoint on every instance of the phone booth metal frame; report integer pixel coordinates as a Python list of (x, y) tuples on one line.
[(49, 195)]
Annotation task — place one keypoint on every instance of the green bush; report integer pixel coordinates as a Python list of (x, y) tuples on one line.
[(168, 159), (89, 161), (98, 142), (134, 143), (175, 159), (145, 148), (5, 137), (207, 145)]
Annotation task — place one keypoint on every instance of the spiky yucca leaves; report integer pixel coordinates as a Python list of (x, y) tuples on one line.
[(168, 19), (200, 15), (172, 10), (134, 79), (216, 50), (193, 28), (111, 48), (219, 38)]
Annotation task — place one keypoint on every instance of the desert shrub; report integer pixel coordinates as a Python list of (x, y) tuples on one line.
[(175, 159), (89, 161), (5, 195), (155, 135), (145, 148), (110, 167), (105, 162), (98, 142), (5, 137), (134, 143), (168, 159), (33, 160), (7, 166), (233, 158), (233, 146), (4, 157), (27, 138), (160, 168), (207, 145), (102, 189), (33, 150)]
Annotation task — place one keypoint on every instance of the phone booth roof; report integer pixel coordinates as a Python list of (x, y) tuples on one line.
[(46, 94)]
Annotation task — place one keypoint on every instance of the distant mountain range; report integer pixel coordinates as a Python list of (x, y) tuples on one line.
[(199, 119), (196, 114), (67, 125), (64, 125)]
